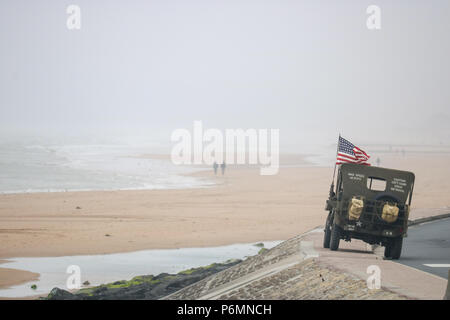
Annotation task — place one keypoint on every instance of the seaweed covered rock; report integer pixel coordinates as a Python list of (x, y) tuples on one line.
[(59, 294), (147, 287)]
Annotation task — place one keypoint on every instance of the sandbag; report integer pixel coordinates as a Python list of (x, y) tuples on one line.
[(390, 213), (355, 208)]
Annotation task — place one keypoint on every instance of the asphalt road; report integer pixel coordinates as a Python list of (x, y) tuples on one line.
[(427, 247)]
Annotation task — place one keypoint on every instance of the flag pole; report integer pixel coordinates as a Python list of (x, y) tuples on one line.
[(337, 151), (335, 165)]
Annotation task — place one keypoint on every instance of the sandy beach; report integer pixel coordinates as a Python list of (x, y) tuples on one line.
[(243, 207)]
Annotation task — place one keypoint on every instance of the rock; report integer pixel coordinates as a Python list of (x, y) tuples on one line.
[(86, 283), (262, 250), (143, 287), (78, 208), (59, 294)]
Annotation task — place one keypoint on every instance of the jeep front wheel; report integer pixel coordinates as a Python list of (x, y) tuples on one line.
[(335, 237), (327, 232)]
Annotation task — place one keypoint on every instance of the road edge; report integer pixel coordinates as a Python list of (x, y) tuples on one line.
[(428, 219)]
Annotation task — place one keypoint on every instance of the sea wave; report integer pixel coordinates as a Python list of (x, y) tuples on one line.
[(60, 168)]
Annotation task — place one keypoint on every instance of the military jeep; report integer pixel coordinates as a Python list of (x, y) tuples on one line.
[(371, 204)]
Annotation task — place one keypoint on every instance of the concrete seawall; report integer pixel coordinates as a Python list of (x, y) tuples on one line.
[(300, 268), (287, 271)]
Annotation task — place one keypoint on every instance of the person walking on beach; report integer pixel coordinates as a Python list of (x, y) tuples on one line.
[(222, 166), (378, 162), (215, 166)]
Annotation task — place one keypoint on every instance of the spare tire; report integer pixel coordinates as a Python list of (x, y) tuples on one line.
[(386, 196)]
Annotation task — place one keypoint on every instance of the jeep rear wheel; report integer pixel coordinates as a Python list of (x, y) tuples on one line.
[(335, 237), (396, 248), (393, 249), (387, 251)]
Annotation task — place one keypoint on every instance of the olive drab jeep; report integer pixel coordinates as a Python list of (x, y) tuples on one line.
[(371, 204)]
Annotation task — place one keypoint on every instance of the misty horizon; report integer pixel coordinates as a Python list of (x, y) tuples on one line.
[(146, 68)]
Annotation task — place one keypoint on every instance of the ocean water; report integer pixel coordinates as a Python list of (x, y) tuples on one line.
[(83, 164), (37, 167)]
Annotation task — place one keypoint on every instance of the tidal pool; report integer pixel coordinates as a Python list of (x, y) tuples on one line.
[(100, 269)]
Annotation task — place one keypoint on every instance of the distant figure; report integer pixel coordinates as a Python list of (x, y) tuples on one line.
[(215, 166), (222, 166), (378, 162), (403, 152)]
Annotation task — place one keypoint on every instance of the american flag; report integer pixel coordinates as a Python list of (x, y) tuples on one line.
[(349, 153)]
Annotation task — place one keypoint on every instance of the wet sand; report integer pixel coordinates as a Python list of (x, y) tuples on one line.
[(10, 277)]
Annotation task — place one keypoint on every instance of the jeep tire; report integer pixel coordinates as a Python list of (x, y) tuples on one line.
[(335, 237), (327, 232), (396, 248), (393, 248)]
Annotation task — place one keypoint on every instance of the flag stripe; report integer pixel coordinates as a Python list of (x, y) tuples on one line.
[(343, 155)]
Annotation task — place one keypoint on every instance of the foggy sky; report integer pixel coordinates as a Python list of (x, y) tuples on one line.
[(309, 68)]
